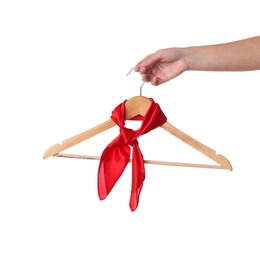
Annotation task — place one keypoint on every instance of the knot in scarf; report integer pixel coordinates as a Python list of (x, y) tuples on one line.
[(116, 155), (128, 135)]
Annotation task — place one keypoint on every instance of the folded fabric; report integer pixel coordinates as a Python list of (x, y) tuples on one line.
[(116, 155)]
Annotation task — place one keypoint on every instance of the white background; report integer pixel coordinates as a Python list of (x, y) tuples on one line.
[(63, 68)]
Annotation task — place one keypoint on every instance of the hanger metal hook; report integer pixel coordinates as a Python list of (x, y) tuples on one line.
[(130, 71), (141, 88), (142, 83)]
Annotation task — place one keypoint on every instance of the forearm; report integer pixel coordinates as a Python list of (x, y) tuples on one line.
[(234, 56)]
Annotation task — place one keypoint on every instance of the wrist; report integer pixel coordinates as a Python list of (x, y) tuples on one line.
[(188, 57)]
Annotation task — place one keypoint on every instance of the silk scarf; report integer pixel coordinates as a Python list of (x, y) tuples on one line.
[(116, 155)]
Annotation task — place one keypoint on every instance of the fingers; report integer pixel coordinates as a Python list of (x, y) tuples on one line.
[(155, 81), (148, 62), (146, 68), (145, 72), (148, 75)]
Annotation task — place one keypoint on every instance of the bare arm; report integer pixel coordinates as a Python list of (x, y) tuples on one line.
[(234, 56), (166, 64)]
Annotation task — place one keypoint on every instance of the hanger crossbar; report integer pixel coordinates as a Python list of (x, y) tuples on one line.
[(181, 164)]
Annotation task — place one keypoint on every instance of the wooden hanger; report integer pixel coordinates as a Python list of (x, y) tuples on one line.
[(138, 106)]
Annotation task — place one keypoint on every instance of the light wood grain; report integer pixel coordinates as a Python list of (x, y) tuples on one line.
[(138, 106)]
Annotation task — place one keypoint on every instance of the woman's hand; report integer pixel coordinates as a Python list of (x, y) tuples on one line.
[(162, 65)]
